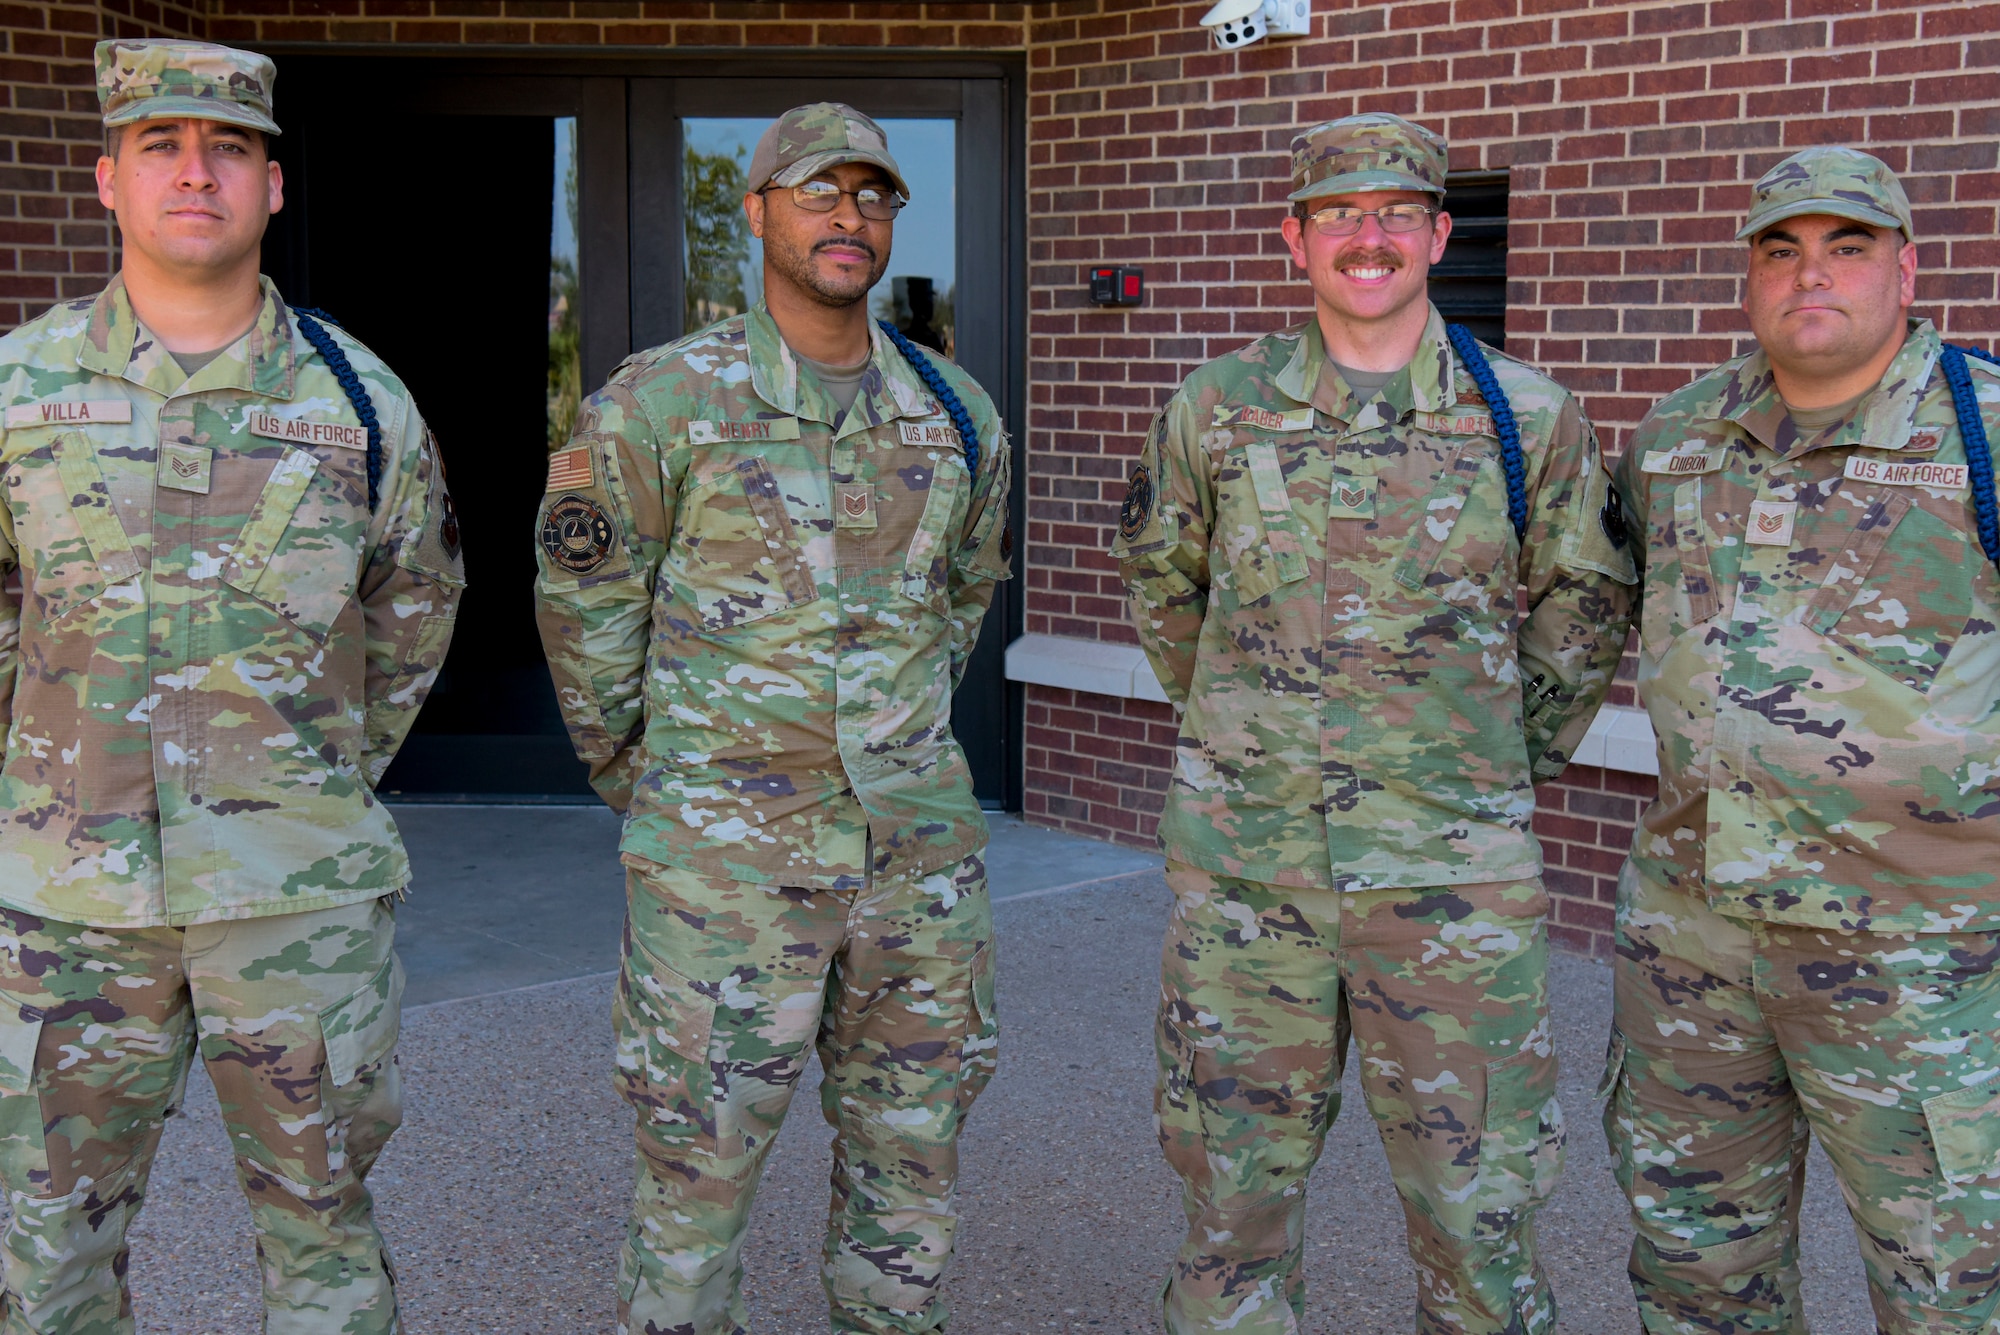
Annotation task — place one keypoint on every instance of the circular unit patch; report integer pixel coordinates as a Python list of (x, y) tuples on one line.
[(1138, 506), (578, 535)]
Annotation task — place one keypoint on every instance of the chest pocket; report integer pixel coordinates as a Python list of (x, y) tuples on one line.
[(1258, 531), (68, 534), (1680, 577), (1462, 544), (1900, 593), (735, 554), (927, 566), (300, 549)]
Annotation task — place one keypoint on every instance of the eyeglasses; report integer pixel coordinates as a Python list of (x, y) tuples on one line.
[(874, 203), (1393, 217)]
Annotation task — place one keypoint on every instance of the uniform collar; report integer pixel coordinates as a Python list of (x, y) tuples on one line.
[(261, 362), (1882, 421), (889, 388), (1305, 378)]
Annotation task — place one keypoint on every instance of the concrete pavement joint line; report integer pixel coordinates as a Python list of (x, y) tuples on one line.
[(509, 991), (613, 973), (1073, 885)]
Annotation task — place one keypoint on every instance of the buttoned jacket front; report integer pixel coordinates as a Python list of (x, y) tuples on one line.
[(210, 648), (1818, 652), (1372, 668), (765, 604)]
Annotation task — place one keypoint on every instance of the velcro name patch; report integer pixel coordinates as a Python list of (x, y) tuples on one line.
[(757, 428), (1678, 462), (929, 433), (572, 470), (305, 431), (1263, 419), (1907, 473), (69, 412)]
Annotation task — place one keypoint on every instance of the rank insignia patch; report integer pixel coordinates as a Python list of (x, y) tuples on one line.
[(1138, 506), (578, 535)]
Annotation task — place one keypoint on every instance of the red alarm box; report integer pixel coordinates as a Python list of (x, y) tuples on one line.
[(1117, 285)]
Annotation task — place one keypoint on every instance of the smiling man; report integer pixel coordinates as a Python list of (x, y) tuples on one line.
[(237, 573), (765, 556), (1381, 621), (1809, 924)]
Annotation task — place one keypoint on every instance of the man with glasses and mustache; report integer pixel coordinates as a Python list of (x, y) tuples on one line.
[(1385, 601), (765, 555), (1809, 923)]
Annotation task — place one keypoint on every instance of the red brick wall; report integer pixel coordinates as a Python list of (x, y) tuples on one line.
[(622, 23), (55, 239), (1631, 131)]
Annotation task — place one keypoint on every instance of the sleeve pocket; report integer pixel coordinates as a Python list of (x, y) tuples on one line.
[(1965, 1129), (360, 1030)]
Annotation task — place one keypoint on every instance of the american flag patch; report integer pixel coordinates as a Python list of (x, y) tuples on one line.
[(571, 470)]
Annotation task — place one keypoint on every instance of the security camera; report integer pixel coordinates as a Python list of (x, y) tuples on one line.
[(1238, 23)]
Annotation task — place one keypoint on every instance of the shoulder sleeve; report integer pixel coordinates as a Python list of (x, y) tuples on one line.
[(600, 533)]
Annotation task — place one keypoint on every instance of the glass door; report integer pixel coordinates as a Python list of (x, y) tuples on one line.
[(465, 266), (505, 230)]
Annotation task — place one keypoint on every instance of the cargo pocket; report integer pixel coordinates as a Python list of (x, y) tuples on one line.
[(1520, 1150), (1256, 530), (979, 1049), (1460, 547), (1900, 593), (360, 1095), (1680, 590), (1965, 1132), (735, 553), (665, 1024), (360, 1030), (66, 528), (299, 552)]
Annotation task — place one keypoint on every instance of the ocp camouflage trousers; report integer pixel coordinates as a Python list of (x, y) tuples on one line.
[(1733, 1042), (1444, 991), (296, 1018), (726, 988)]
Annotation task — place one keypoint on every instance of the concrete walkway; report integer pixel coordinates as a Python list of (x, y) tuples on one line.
[(504, 1195)]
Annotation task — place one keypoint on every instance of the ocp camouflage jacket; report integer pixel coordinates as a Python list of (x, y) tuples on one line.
[(216, 648), (755, 608), (1372, 669), (1818, 652)]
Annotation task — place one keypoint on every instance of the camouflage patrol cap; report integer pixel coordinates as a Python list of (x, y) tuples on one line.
[(1375, 151), (1839, 182), (807, 140), (141, 80)]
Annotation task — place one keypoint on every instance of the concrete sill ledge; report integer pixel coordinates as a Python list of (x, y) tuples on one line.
[(1619, 738)]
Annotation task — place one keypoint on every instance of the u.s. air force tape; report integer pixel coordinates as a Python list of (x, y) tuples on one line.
[(578, 534)]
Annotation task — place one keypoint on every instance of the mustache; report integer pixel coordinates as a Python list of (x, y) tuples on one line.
[(855, 243), (1367, 258)]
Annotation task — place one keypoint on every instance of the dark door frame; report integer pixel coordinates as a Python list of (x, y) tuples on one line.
[(628, 206)]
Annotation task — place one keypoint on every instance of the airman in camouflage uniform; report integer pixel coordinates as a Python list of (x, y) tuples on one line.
[(210, 648), (1371, 670), (756, 604), (1809, 924)]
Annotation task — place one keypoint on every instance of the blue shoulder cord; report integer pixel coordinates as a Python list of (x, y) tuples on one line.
[(350, 385), (928, 373), (1978, 451), (1504, 425)]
